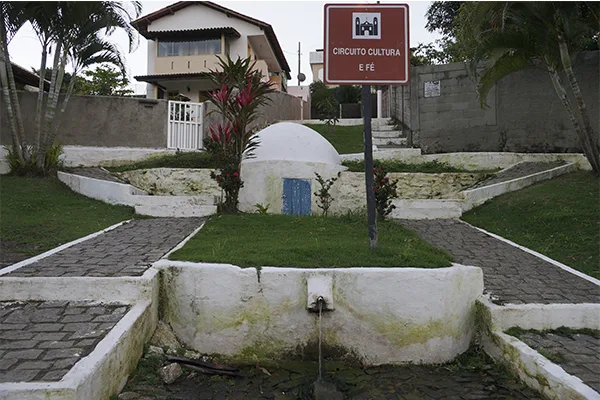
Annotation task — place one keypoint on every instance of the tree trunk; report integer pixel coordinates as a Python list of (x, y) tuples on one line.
[(58, 120), (583, 139), (585, 117), (53, 95), (4, 66), (40, 99)]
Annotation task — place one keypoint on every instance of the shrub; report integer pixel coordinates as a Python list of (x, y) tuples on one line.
[(240, 92), (324, 197), (385, 192)]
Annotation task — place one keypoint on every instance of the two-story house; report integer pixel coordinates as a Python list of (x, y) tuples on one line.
[(185, 38)]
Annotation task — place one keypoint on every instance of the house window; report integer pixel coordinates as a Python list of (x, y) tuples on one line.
[(190, 48)]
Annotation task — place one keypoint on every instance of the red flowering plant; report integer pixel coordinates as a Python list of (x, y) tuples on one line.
[(385, 191), (240, 92)]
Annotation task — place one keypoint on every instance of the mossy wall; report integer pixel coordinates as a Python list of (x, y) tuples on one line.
[(381, 315)]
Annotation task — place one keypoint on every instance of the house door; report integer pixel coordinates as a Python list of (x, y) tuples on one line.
[(296, 196)]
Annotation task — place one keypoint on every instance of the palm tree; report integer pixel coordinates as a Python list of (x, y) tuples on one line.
[(77, 33), (510, 36)]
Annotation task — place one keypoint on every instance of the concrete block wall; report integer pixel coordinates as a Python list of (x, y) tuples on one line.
[(524, 113), (281, 107), (99, 121)]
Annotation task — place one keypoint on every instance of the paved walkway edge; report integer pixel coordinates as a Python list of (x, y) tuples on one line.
[(183, 242), (55, 250), (539, 255), (534, 369), (104, 371)]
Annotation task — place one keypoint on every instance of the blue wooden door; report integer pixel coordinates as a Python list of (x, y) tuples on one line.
[(296, 196)]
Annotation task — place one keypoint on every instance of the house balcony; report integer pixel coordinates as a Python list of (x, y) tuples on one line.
[(186, 64)]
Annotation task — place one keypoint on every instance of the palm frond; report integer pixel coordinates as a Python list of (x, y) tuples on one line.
[(502, 66)]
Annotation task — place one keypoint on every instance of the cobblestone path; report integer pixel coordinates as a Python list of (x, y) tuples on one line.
[(518, 171), (41, 341), (510, 275), (578, 355), (128, 250)]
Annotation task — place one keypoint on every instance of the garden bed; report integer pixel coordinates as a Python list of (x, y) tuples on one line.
[(252, 240)]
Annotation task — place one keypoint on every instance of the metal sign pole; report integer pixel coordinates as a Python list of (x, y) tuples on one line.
[(371, 212)]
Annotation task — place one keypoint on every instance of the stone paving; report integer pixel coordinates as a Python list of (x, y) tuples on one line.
[(128, 250), (578, 355), (42, 340), (518, 171), (510, 275)]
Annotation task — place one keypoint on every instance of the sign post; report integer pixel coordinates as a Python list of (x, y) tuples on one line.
[(367, 44), (368, 149)]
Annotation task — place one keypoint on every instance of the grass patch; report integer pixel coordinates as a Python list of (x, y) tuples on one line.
[(192, 159), (432, 167), (559, 218), (345, 139), (251, 240), (38, 214)]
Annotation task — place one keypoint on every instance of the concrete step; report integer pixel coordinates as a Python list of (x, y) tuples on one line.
[(386, 134), (399, 141), (383, 127)]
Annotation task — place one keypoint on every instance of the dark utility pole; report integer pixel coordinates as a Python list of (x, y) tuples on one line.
[(371, 212), (299, 81)]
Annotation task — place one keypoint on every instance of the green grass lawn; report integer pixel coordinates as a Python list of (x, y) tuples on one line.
[(432, 167), (180, 160), (559, 218), (345, 139), (252, 240), (38, 214)]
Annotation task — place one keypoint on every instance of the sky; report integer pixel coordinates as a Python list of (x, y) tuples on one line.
[(292, 21)]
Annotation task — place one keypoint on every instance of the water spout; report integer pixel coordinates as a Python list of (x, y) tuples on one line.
[(320, 302)]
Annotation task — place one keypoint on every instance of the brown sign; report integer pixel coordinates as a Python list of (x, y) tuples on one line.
[(366, 44)]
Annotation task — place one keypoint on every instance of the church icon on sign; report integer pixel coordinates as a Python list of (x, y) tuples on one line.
[(366, 25)]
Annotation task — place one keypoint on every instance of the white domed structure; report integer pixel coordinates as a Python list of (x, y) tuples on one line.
[(287, 141), (282, 172)]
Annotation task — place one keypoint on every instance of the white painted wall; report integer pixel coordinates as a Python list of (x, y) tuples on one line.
[(198, 16), (125, 194), (383, 315), (263, 182)]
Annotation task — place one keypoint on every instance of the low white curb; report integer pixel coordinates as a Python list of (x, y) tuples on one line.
[(534, 369), (106, 289)]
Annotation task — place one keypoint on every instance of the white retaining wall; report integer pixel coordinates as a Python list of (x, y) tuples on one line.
[(125, 194), (472, 161), (382, 315)]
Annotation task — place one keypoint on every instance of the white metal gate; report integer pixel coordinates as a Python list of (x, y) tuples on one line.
[(186, 122)]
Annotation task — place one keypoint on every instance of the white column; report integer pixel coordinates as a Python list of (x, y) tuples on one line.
[(379, 101)]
